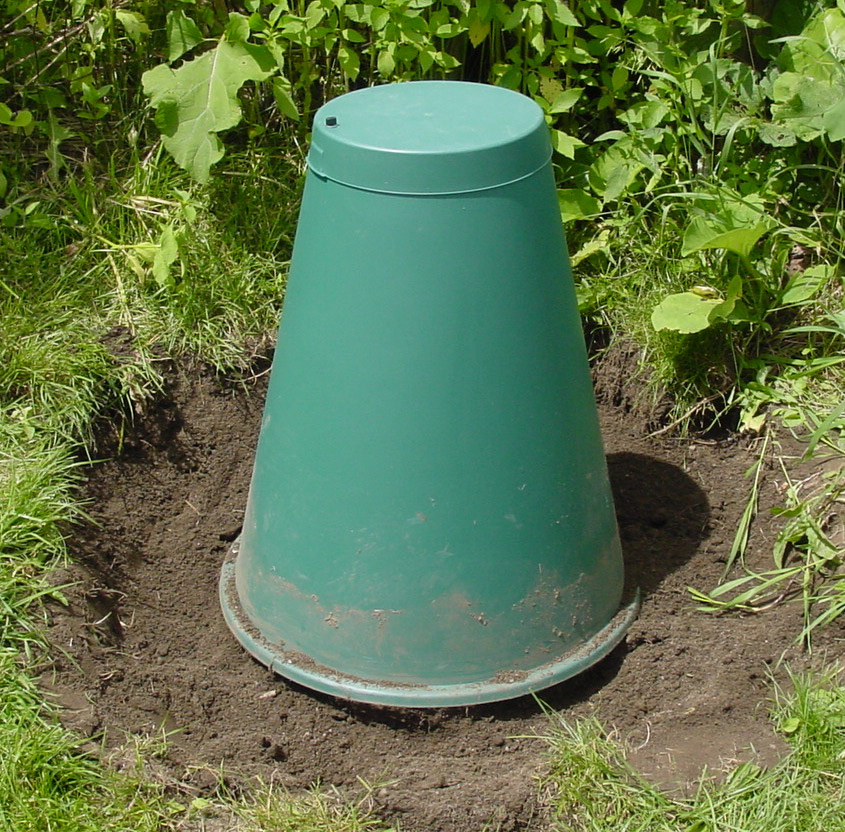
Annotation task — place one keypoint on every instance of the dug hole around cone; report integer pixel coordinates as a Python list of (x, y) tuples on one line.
[(430, 521)]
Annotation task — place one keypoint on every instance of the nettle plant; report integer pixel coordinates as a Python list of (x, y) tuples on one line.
[(301, 52), (798, 118), (616, 80), (307, 52), (610, 76)]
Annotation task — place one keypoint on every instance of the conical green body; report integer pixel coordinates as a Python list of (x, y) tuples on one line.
[(430, 520)]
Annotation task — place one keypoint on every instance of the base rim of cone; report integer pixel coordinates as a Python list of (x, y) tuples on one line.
[(305, 671)]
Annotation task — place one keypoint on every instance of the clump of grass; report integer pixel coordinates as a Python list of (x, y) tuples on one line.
[(89, 319), (229, 244), (38, 475), (592, 787), (270, 808), (806, 562), (47, 783)]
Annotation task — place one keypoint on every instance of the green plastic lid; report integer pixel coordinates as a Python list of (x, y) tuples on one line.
[(429, 137)]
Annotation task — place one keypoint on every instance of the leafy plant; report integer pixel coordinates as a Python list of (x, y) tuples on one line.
[(731, 226), (199, 99), (806, 562), (594, 788)]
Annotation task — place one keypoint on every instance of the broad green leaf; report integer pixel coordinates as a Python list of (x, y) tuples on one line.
[(446, 60), (752, 423), (147, 252), (353, 36), (449, 30), (182, 34), (576, 204), (702, 234), (550, 88), (645, 114), (426, 59), (724, 310), (379, 18), (591, 247), (386, 64), (478, 30), (617, 182), (516, 17), (565, 144), (615, 170), (804, 285), (237, 29), (684, 312), (753, 21), (566, 100), (165, 257), (202, 100), (777, 135), (485, 9), (350, 63), (619, 78), (51, 98), (134, 24), (834, 121), (284, 98), (314, 14), (802, 102), (819, 48), (23, 118), (562, 14)]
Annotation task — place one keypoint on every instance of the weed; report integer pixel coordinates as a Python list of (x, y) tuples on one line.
[(592, 787), (271, 808), (806, 562)]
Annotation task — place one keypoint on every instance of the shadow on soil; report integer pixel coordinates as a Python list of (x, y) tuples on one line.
[(663, 517)]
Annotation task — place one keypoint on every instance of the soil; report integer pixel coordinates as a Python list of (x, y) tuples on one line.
[(141, 647)]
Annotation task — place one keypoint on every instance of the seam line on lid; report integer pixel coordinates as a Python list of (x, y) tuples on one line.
[(450, 192)]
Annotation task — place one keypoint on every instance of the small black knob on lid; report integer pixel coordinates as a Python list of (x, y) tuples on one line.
[(331, 121)]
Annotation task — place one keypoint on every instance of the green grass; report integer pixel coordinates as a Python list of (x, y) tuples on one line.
[(48, 785), (94, 264), (273, 809), (87, 327), (593, 789)]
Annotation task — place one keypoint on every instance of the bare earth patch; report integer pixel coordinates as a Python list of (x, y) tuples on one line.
[(142, 647)]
